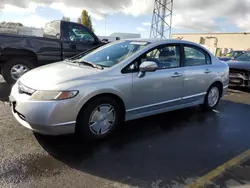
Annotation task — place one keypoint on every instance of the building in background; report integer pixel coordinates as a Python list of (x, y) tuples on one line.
[(218, 43), (125, 35), (118, 36)]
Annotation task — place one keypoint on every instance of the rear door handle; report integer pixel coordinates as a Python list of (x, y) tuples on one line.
[(176, 74), (207, 71)]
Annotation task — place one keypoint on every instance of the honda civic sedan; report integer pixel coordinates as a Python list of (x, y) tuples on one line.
[(93, 93)]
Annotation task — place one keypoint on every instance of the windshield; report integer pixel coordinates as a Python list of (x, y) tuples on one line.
[(230, 54), (235, 54), (113, 53), (244, 57)]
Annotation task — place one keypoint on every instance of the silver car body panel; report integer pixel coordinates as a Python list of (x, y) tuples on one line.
[(156, 92)]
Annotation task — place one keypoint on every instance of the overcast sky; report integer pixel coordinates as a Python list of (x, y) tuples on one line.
[(133, 15)]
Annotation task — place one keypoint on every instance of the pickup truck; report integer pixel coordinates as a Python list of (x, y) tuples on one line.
[(62, 40)]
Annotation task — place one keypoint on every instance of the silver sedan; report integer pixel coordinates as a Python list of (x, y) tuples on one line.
[(94, 92)]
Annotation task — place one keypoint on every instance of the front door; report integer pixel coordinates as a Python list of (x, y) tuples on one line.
[(198, 74), (159, 90)]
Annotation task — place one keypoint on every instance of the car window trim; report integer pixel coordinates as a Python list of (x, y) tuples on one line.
[(123, 71), (207, 55)]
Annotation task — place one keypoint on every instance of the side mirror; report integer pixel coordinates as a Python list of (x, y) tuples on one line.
[(148, 66)]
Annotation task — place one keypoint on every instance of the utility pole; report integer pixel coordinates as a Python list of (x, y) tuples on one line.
[(105, 16), (162, 19)]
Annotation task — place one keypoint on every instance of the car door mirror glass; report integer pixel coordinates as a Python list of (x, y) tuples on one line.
[(148, 66)]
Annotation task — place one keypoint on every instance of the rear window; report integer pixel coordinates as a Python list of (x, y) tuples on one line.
[(52, 29)]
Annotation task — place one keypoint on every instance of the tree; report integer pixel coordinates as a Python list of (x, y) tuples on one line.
[(64, 18), (86, 20)]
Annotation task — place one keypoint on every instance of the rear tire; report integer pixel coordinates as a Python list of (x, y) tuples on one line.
[(9, 67), (99, 118), (212, 97)]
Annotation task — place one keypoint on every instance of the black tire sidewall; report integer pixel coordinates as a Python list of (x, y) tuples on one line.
[(8, 66), (206, 106), (82, 127)]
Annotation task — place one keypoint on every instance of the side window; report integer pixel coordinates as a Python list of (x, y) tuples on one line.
[(195, 57), (74, 32), (52, 29), (165, 57)]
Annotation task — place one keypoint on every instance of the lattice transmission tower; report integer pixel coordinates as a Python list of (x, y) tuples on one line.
[(162, 19)]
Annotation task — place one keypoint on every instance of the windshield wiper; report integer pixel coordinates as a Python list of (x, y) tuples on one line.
[(86, 63), (91, 64)]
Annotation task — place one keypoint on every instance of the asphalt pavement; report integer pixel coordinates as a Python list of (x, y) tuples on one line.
[(168, 150)]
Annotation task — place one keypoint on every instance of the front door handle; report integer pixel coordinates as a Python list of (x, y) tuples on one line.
[(176, 74), (207, 71)]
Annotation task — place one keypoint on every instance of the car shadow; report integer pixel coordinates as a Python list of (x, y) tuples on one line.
[(71, 146), (133, 150)]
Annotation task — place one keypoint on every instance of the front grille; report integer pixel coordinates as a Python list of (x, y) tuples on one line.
[(21, 116), (239, 71), (236, 81)]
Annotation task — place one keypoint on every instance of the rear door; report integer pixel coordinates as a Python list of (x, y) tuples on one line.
[(198, 73), (76, 38)]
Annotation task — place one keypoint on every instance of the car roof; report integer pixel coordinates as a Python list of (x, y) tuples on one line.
[(160, 41)]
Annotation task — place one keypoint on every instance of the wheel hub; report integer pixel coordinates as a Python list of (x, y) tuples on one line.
[(102, 119), (213, 96), (18, 70)]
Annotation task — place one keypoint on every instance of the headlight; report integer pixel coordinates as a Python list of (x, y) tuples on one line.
[(52, 95)]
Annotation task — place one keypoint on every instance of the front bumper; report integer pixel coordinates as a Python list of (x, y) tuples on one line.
[(44, 117), (61, 129), (240, 81), (240, 78)]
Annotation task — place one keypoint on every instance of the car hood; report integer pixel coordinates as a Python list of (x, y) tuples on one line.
[(59, 75), (239, 64)]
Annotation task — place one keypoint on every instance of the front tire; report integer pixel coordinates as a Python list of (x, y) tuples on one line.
[(99, 118), (13, 69), (212, 97)]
